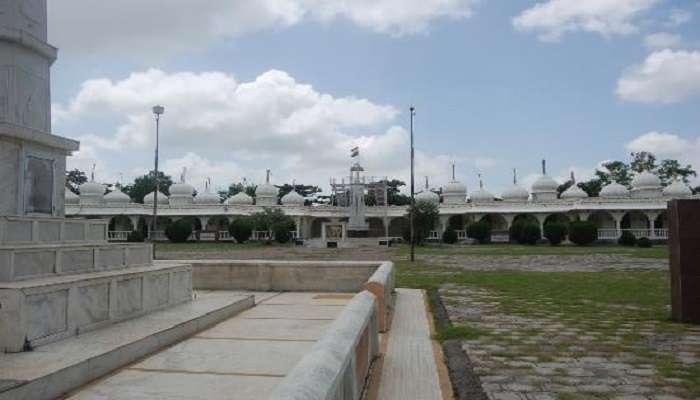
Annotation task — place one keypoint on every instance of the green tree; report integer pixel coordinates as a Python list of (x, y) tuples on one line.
[(670, 170), (643, 161), (145, 184), (425, 217), (74, 179), (235, 188), (272, 220), (304, 190), (394, 195)]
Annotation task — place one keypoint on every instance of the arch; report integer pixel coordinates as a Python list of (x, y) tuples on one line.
[(397, 226), (457, 222), (376, 227), (602, 220), (497, 221), (557, 218), (120, 223), (316, 226), (635, 220), (661, 221), (526, 218)]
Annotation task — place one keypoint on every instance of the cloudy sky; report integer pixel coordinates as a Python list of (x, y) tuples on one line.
[(292, 85)]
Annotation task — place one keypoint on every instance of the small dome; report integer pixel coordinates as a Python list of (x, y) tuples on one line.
[(207, 198), (71, 198), (117, 197), (454, 188), (574, 192), (544, 184), (91, 188), (181, 189), (428, 196), (515, 193), (614, 191), (240, 198), (646, 180), (162, 198), (292, 199), (266, 189), (481, 195), (677, 189)]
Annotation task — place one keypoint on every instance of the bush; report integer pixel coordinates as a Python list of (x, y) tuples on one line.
[(644, 242), (241, 229), (282, 231), (515, 231), (583, 233), (136, 237), (530, 234), (555, 233), (480, 231), (627, 239), (449, 236), (179, 231)]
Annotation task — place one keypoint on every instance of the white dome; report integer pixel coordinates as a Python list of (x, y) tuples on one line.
[(614, 191), (544, 184), (481, 195), (240, 198), (71, 198), (677, 189), (266, 190), (181, 189), (453, 188), (162, 198), (207, 198), (91, 188), (646, 180), (429, 196), (574, 192), (515, 193), (292, 199), (117, 197)]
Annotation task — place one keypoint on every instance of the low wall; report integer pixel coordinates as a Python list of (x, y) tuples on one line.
[(381, 285), (338, 364)]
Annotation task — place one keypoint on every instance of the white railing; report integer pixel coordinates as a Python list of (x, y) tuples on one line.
[(614, 234), (225, 235), (434, 235), (462, 235), (118, 236), (267, 235)]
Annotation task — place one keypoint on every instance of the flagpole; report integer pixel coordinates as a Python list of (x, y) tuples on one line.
[(413, 198)]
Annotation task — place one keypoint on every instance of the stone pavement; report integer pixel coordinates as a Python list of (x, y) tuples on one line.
[(244, 357), (554, 356)]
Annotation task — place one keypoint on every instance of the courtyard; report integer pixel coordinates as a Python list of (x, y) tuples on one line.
[(538, 322)]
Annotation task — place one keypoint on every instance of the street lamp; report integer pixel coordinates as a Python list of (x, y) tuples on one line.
[(413, 198), (158, 110)]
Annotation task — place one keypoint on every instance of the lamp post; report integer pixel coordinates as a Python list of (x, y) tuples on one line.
[(413, 198), (158, 110)]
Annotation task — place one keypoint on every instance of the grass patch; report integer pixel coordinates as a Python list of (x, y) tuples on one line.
[(461, 332), (657, 251), (214, 246)]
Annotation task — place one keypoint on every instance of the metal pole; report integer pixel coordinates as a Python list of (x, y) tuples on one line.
[(157, 111), (413, 198)]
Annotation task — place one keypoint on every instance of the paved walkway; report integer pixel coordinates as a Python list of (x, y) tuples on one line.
[(244, 357), (410, 370)]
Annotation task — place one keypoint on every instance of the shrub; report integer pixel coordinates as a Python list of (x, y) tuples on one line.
[(282, 231), (179, 231), (515, 231), (555, 233), (530, 234), (627, 239), (450, 235), (644, 242), (480, 231), (136, 237), (241, 229), (582, 232)]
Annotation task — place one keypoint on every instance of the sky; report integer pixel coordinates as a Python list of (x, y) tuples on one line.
[(293, 85)]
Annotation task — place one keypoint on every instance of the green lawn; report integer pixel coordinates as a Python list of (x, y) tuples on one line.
[(214, 246), (657, 251)]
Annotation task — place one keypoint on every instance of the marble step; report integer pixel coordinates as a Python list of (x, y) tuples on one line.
[(48, 230), (59, 368), (45, 310), (31, 261)]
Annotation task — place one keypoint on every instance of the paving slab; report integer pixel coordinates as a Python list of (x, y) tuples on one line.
[(409, 369), (272, 329), (293, 311)]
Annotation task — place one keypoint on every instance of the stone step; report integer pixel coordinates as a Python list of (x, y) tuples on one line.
[(45, 310), (47, 230), (23, 262), (59, 368)]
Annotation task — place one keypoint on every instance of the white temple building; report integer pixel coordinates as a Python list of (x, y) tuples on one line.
[(641, 210)]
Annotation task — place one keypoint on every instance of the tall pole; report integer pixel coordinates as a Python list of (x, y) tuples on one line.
[(413, 191), (157, 111)]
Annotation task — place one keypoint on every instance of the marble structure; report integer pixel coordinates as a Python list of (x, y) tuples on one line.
[(58, 277)]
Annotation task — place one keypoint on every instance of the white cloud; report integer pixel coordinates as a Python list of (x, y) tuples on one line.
[(212, 119), (151, 28), (666, 76), (679, 17), (555, 18), (668, 145), (663, 40)]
